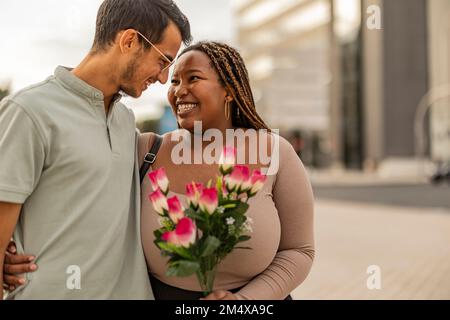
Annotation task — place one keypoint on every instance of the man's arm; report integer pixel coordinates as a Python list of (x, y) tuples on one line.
[(9, 213)]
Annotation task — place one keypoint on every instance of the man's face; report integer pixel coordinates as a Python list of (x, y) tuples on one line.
[(142, 68)]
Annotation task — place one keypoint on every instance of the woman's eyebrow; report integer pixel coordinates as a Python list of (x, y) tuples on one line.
[(193, 70), (188, 71)]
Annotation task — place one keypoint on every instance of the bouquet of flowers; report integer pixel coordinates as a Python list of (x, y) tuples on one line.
[(197, 238)]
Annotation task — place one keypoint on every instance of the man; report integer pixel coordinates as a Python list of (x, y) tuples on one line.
[(69, 183)]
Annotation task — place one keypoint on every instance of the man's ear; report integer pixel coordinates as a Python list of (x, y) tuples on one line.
[(127, 40)]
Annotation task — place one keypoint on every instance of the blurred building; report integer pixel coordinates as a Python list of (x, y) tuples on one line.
[(285, 45), (325, 68), (394, 79), (438, 15)]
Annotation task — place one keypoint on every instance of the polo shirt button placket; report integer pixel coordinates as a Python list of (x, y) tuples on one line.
[(100, 105), (108, 124)]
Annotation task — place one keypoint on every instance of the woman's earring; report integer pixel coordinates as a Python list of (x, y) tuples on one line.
[(227, 110)]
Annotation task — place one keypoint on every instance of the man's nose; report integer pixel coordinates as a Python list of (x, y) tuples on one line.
[(163, 76)]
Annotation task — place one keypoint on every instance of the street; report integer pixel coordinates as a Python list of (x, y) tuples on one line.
[(405, 231), (403, 195)]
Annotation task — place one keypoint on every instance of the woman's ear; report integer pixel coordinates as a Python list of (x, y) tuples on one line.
[(228, 96)]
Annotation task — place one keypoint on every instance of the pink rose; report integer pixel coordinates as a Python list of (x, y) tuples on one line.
[(158, 179), (176, 210), (257, 181), (238, 180), (183, 235), (227, 159), (193, 192), (159, 201), (209, 200)]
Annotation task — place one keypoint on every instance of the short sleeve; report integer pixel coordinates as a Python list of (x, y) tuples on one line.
[(22, 153)]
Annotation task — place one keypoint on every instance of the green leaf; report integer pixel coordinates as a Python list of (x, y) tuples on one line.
[(219, 185), (195, 215), (164, 246), (209, 246), (182, 268), (229, 206), (189, 212), (181, 251), (243, 238), (241, 208), (158, 233)]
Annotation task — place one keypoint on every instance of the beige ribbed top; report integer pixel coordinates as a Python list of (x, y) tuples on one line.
[(282, 239)]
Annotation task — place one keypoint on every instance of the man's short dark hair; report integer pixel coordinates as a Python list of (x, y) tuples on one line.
[(150, 17)]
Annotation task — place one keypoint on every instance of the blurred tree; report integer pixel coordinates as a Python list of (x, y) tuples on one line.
[(3, 92), (148, 125)]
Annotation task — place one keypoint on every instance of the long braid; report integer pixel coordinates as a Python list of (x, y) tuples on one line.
[(243, 75), (244, 98), (240, 97), (234, 76)]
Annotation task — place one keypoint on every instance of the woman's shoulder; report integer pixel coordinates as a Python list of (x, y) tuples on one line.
[(284, 158), (272, 136), (285, 146), (175, 135), (147, 139), (276, 142)]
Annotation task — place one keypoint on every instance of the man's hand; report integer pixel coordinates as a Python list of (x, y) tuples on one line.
[(14, 266)]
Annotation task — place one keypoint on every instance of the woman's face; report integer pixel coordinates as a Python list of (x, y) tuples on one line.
[(196, 94)]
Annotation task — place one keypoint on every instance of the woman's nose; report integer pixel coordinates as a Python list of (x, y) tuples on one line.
[(180, 90)]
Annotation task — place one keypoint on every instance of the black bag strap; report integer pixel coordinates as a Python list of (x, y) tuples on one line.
[(150, 157)]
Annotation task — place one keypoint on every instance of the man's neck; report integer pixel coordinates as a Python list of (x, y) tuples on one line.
[(96, 70)]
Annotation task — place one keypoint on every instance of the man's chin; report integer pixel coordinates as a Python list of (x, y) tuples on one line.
[(130, 92)]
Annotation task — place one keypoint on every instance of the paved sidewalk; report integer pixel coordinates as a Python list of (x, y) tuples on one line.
[(411, 246), (341, 177), (424, 196)]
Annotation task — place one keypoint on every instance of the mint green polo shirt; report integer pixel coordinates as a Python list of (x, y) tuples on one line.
[(74, 169)]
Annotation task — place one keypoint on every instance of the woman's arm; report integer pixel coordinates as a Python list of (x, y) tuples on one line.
[(293, 198)]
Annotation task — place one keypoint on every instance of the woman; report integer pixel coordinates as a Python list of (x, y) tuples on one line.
[(210, 84)]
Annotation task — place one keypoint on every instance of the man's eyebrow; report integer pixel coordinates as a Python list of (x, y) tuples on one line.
[(168, 56)]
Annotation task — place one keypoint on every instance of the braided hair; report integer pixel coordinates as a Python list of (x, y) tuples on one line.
[(233, 75)]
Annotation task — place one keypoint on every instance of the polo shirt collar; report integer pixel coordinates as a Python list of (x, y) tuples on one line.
[(72, 82)]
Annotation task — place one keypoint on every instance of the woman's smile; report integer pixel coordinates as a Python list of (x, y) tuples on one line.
[(184, 109)]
